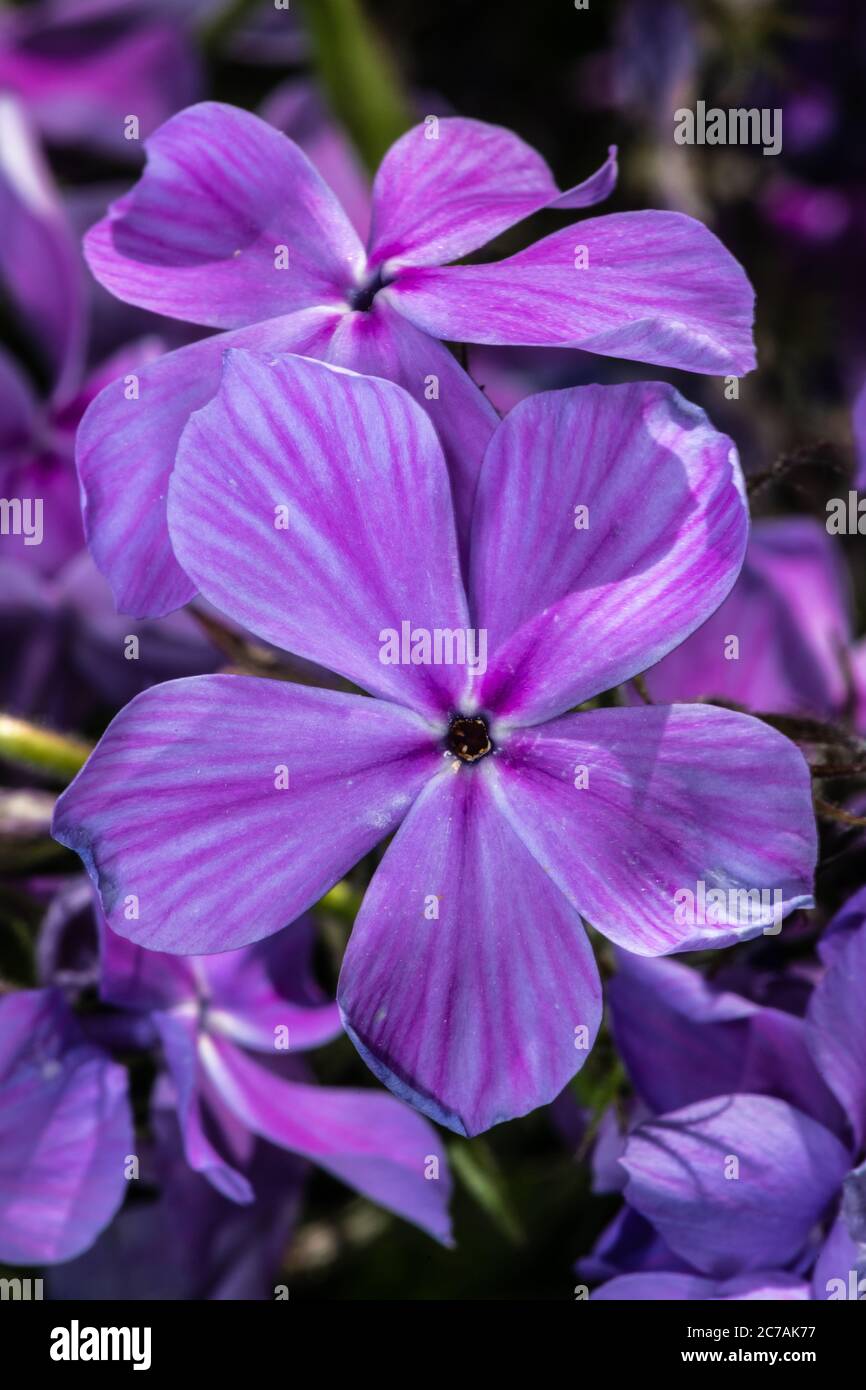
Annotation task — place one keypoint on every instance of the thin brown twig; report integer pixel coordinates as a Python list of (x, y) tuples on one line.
[(822, 453), (828, 810)]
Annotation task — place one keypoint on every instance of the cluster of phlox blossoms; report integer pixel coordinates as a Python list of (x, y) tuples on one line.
[(457, 605)]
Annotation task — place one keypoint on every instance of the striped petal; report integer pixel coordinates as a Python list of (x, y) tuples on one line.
[(378, 1147), (451, 184), (383, 343), (215, 809), (631, 811), (201, 1133), (649, 286), (468, 985), (610, 522), (229, 224), (125, 451), (313, 507)]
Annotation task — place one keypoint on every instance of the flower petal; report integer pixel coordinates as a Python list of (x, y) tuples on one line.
[(594, 189), (313, 507), (266, 988), (200, 236), (185, 824), (575, 601), (789, 613), (219, 1250), (467, 976), (65, 1131), (40, 264), (770, 1287), (450, 185), (629, 809), (683, 1039), (180, 1043), (629, 1244), (366, 1140), (655, 287), (81, 68), (126, 448), (132, 978), (836, 1022), (734, 1183), (383, 343)]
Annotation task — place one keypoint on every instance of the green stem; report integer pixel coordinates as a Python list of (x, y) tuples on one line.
[(342, 899), (360, 80), (41, 750)]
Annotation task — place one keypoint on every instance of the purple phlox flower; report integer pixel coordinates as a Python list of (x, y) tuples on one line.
[(781, 641), (66, 644), (65, 1131), (858, 652), (805, 212), (628, 1245), (40, 264), (628, 1242), (69, 652), (231, 227), (313, 506), (37, 445), (219, 1250), (748, 1168), (66, 954), (42, 272), (734, 1044), (81, 68), (210, 1013)]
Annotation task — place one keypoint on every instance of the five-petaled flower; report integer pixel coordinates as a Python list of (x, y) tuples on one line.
[(473, 1012), (231, 227), (65, 1131), (231, 1027), (747, 1179)]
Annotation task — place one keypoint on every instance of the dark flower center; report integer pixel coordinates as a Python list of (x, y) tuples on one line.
[(361, 297), (469, 738)]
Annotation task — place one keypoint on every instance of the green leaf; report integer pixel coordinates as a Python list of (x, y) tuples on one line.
[(475, 1166)]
